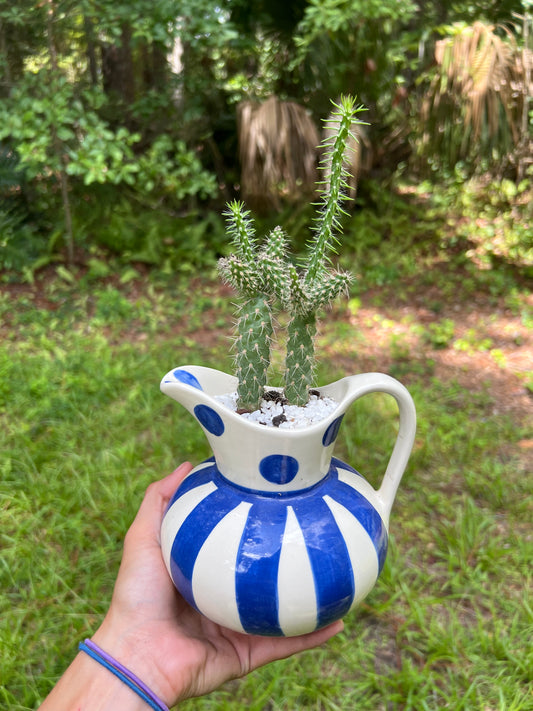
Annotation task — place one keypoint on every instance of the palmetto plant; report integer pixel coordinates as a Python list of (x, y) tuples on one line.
[(472, 108), (266, 278), (278, 148)]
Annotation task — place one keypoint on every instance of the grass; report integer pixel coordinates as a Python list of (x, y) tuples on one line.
[(84, 430)]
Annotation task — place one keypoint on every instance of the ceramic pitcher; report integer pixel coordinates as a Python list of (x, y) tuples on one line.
[(273, 535)]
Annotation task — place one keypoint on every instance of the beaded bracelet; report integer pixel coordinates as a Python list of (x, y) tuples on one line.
[(125, 675)]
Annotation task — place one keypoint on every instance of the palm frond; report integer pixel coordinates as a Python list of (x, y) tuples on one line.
[(472, 106), (278, 148)]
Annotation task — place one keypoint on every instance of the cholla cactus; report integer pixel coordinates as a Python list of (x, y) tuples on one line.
[(259, 278), (266, 276)]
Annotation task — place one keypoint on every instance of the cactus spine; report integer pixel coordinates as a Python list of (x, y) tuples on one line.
[(264, 277)]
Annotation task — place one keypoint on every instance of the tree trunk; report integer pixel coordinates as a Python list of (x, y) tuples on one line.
[(155, 67), (91, 49), (159, 65), (57, 146), (6, 79), (523, 148), (117, 68)]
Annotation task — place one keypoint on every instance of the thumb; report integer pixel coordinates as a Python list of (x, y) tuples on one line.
[(147, 522)]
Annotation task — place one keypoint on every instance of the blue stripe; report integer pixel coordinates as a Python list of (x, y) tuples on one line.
[(330, 561), (204, 476), (183, 376), (365, 513), (250, 495), (342, 465), (257, 568), (192, 535)]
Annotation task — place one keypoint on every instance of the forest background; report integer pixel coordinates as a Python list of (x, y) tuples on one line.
[(127, 125)]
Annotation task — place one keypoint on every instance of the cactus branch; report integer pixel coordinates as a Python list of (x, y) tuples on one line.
[(332, 285), (241, 229), (254, 333), (235, 273), (300, 361), (273, 263), (332, 193)]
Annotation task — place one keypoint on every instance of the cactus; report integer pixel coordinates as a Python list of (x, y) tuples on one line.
[(259, 278), (266, 277)]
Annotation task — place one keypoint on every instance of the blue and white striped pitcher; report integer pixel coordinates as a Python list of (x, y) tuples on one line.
[(273, 535)]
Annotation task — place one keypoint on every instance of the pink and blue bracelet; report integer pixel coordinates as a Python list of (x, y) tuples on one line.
[(125, 675)]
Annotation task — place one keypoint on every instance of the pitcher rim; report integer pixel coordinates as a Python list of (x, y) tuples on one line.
[(280, 432)]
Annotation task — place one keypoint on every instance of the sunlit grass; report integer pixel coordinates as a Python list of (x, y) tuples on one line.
[(84, 429)]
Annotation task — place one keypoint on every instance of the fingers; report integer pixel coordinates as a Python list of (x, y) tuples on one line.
[(167, 486), (270, 649), (160, 492), (314, 639)]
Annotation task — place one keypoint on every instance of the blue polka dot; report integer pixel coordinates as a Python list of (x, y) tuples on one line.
[(330, 435), (187, 378), (278, 468), (210, 419)]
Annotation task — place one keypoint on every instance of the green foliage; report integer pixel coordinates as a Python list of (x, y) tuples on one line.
[(138, 233), (89, 148), (494, 219), (11, 174), (19, 242), (86, 108), (440, 333), (150, 21), (169, 170), (90, 97), (330, 16), (357, 44), (56, 130)]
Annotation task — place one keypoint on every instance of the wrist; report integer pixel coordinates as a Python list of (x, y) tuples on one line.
[(88, 686), (134, 649)]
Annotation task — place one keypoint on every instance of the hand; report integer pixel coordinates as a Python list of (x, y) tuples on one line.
[(150, 629)]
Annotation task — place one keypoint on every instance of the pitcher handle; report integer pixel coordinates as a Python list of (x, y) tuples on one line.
[(380, 382)]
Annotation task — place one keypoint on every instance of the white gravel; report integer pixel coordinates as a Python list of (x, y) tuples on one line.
[(318, 408)]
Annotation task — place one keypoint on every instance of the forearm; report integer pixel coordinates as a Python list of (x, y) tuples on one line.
[(88, 686), (113, 670)]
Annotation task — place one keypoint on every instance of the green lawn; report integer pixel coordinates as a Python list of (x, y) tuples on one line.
[(84, 430)]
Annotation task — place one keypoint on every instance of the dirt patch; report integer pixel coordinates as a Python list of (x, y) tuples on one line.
[(476, 340), (487, 348)]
